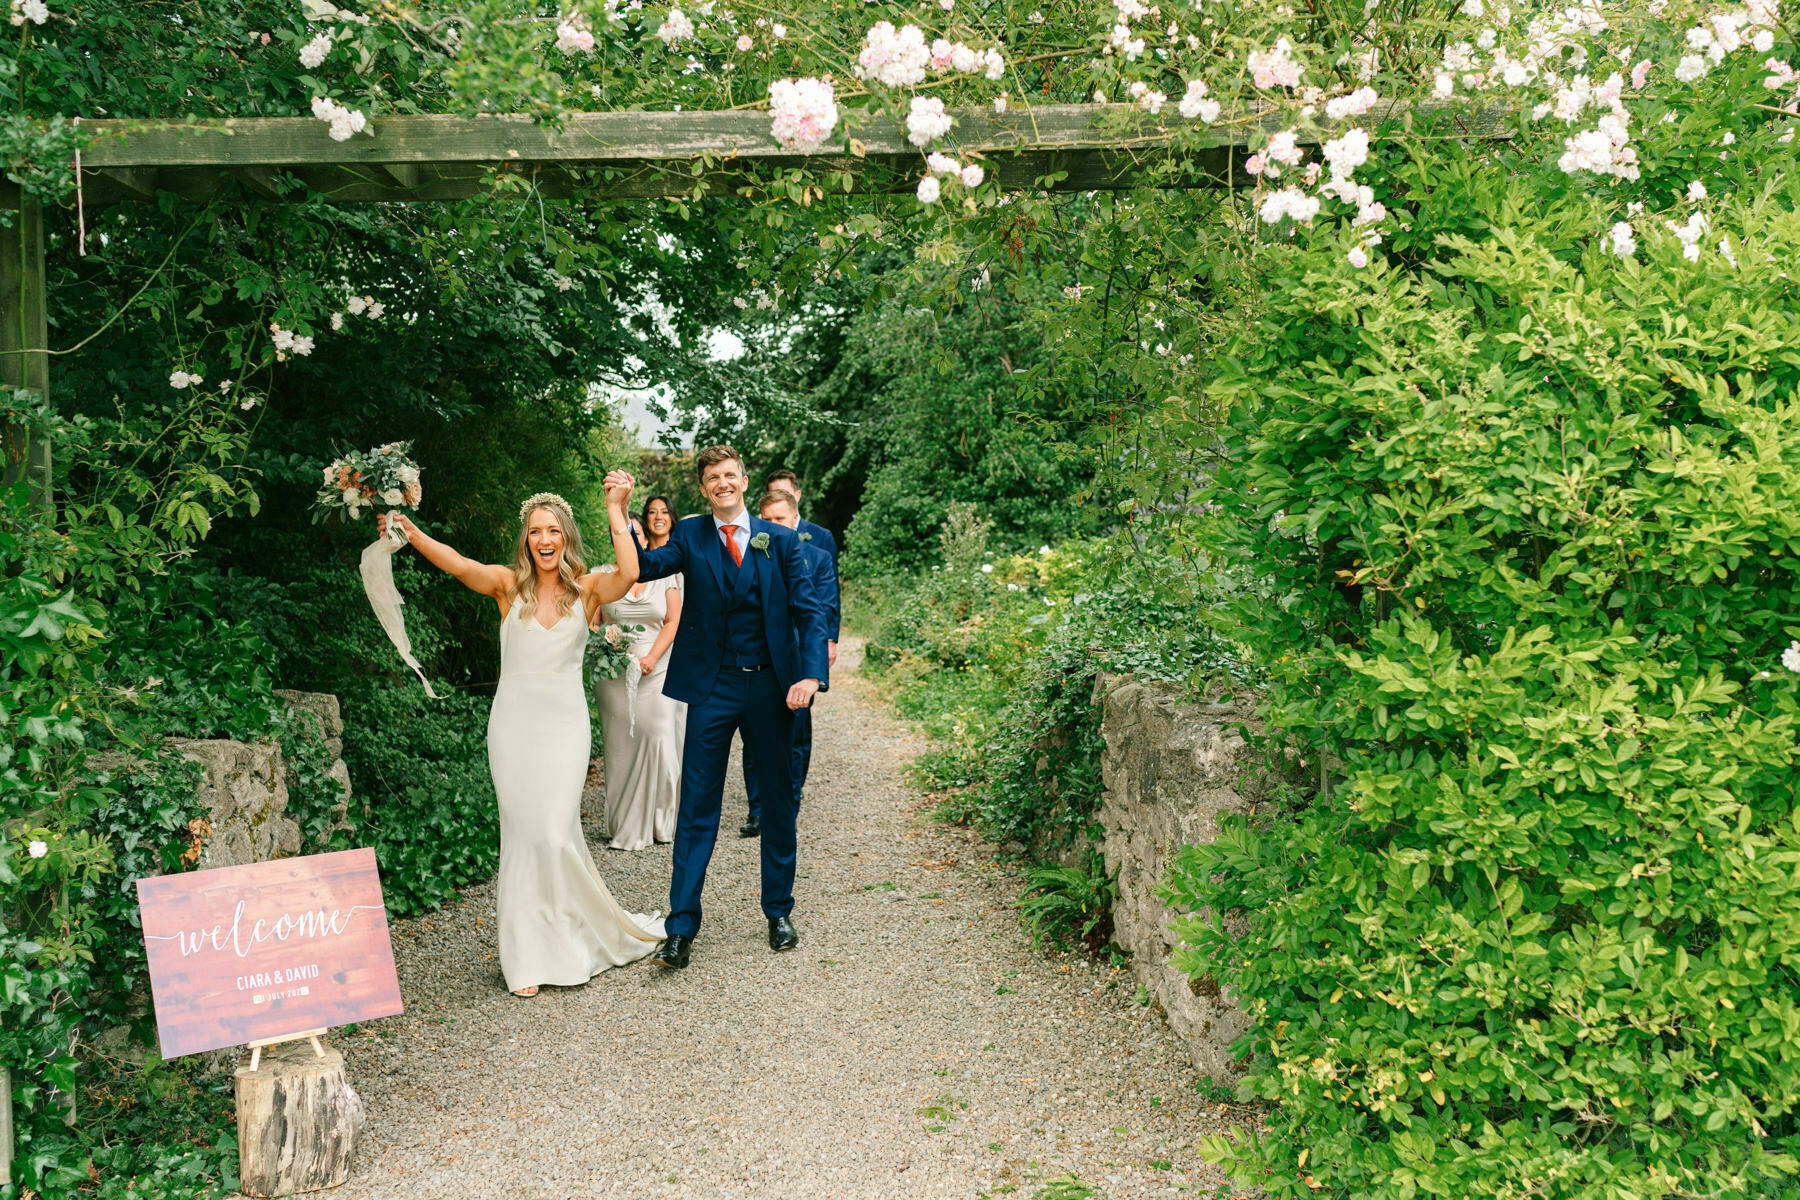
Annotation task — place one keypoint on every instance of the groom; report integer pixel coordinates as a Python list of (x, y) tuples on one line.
[(749, 652)]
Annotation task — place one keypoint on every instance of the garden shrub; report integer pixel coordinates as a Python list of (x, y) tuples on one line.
[(1000, 654), (1531, 512)]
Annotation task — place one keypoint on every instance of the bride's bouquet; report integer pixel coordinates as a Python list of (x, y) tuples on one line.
[(365, 480), (369, 479)]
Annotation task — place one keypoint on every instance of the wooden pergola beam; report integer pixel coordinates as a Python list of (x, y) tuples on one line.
[(1071, 147)]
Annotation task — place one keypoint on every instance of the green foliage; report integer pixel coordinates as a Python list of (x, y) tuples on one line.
[(1070, 906), (999, 656), (425, 798), (1531, 524)]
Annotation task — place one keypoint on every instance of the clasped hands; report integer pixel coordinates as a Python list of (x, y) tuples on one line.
[(618, 486)]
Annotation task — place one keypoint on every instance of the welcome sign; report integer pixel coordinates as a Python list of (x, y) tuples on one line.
[(267, 950)]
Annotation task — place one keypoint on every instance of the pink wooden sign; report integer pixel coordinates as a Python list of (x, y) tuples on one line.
[(266, 950)]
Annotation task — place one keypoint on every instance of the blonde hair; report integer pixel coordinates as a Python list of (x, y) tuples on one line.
[(569, 571)]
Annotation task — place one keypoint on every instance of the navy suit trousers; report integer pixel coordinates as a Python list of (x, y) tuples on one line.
[(756, 703), (799, 759)]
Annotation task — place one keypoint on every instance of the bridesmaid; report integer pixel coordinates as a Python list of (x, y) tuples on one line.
[(643, 768)]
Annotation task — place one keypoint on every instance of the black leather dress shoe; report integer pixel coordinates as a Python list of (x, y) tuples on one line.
[(674, 951), (782, 934), (750, 828)]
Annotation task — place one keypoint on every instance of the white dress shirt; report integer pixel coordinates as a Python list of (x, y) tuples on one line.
[(740, 535)]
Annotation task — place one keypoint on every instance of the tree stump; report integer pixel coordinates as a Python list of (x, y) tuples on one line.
[(297, 1118)]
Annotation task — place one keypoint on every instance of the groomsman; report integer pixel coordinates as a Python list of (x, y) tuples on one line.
[(786, 481), (782, 508)]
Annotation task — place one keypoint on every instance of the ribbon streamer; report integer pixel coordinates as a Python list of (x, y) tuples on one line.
[(634, 672), (377, 569)]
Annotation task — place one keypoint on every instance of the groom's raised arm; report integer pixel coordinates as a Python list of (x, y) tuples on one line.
[(668, 559), (808, 609)]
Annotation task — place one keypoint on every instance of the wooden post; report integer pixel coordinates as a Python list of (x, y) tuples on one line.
[(298, 1119), (6, 1132), (24, 338)]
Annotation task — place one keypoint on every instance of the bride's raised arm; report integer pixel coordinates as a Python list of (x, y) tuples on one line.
[(604, 587), (487, 578)]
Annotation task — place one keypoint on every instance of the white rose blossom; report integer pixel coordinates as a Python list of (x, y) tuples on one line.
[(803, 112), (345, 122), (313, 53), (676, 27), (926, 121)]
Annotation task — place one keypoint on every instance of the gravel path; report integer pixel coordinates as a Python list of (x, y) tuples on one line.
[(913, 1046)]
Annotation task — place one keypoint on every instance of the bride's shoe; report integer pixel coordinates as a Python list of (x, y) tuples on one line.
[(527, 991)]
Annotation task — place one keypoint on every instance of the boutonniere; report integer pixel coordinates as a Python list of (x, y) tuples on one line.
[(761, 542), (805, 537)]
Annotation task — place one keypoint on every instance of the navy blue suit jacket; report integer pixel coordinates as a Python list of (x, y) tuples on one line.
[(794, 614), (825, 579), (822, 536)]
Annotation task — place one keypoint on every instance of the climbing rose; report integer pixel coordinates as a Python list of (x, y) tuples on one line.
[(1354, 105), (314, 52), (37, 849), (893, 57), (344, 122), (1696, 190), (1283, 150), (1290, 202), (929, 190), (182, 380), (941, 164), (1790, 658), (675, 28), (1194, 103), (1358, 257), (744, 43), (1347, 153), (1275, 67), (1624, 242), (972, 175), (927, 121), (804, 112), (571, 38)]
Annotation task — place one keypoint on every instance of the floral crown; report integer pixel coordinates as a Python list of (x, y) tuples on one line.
[(538, 501)]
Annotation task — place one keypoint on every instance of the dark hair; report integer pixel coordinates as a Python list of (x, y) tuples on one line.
[(783, 475), (644, 513), (777, 495)]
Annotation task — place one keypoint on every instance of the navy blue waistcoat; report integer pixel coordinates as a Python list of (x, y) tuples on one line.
[(746, 637)]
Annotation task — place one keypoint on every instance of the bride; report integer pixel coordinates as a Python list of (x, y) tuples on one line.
[(558, 923)]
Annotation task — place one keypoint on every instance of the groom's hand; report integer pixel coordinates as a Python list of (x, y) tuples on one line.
[(801, 694), (618, 486)]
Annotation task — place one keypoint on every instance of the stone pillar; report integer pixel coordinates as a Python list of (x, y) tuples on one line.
[(1172, 768)]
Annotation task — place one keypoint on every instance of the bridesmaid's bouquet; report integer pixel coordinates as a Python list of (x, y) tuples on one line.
[(612, 650), (370, 479)]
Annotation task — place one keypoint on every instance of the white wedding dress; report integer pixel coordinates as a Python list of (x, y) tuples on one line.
[(558, 923)]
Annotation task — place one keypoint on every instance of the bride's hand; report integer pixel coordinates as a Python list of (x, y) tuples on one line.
[(618, 488), (383, 520)]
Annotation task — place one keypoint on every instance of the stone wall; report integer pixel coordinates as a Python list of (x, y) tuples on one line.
[(245, 787), (1172, 768)]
